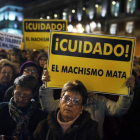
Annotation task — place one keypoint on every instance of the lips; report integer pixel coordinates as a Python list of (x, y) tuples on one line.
[(67, 110)]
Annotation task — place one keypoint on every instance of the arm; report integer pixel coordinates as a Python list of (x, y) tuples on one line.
[(47, 100), (118, 108), (123, 104), (46, 95)]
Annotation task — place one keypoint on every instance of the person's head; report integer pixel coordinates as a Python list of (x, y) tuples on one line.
[(17, 64), (72, 101), (29, 68), (136, 69), (24, 89), (33, 56), (136, 60), (15, 54), (42, 57), (24, 53), (7, 71)]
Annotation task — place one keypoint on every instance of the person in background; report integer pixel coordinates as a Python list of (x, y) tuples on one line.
[(131, 123), (97, 105), (136, 60), (20, 117), (33, 56), (3, 53), (7, 75), (24, 55), (16, 54), (9, 55), (28, 68), (70, 121), (42, 57), (112, 131)]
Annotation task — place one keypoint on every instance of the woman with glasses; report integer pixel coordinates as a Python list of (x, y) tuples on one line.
[(20, 116), (28, 68), (7, 75), (97, 105), (70, 121)]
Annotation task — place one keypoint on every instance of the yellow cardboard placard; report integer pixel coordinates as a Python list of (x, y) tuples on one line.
[(37, 31), (102, 63)]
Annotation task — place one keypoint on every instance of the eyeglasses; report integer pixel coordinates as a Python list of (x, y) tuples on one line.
[(4, 73), (18, 96), (29, 70), (67, 99)]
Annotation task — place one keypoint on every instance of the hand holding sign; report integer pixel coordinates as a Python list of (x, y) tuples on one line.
[(130, 83), (45, 76)]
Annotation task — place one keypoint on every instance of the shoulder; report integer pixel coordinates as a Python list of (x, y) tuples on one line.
[(4, 105), (4, 108)]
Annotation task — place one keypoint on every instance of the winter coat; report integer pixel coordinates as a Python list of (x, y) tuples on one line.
[(84, 128), (8, 125)]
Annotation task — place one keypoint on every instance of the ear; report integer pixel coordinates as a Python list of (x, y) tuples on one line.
[(59, 102), (83, 107)]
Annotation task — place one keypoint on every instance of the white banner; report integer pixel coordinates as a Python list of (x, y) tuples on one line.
[(9, 41)]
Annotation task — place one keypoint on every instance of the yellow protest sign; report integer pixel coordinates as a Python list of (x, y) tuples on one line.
[(102, 63), (37, 31)]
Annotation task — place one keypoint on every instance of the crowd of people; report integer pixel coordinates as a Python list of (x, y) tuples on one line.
[(29, 110)]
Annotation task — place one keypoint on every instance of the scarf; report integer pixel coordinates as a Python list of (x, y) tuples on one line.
[(22, 119)]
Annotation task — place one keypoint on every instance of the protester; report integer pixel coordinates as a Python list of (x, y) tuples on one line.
[(7, 75), (131, 123), (33, 56), (24, 55), (17, 64), (70, 122), (42, 57), (20, 116), (97, 105), (16, 54), (28, 68), (113, 125)]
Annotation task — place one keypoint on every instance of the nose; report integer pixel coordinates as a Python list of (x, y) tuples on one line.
[(70, 103), (20, 99)]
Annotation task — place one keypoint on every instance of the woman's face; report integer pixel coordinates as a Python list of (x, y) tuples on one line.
[(68, 109), (6, 74), (22, 96), (42, 60)]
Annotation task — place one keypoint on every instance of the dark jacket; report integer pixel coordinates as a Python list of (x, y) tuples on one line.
[(84, 128), (8, 125), (3, 90)]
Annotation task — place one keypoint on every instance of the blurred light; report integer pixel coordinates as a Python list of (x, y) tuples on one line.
[(20, 18), (99, 25), (103, 13), (73, 11), (113, 2), (96, 5), (92, 24), (55, 15), (84, 8), (70, 28), (15, 25), (87, 28), (64, 13), (79, 16), (11, 16), (48, 17), (79, 25), (74, 30), (41, 18), (91, 15), (81, 30)]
